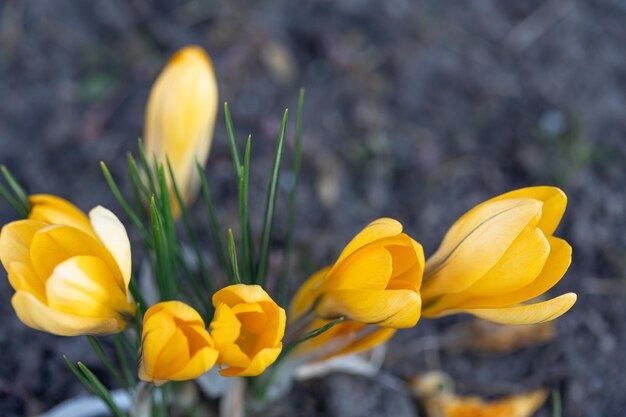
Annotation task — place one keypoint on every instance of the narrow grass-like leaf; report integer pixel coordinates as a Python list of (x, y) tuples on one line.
[(247, 246), (123, 361), (214, 227), (165, 273), (193, 238), (122, 202), (97, 348), (270, 203), (12, 201), (233, 257), (143, 160), (78, 374), (230, 131), (283, 281), (101, 391), (557, 407), (311, 335), (19, 192), (137, 295), (136, 176)]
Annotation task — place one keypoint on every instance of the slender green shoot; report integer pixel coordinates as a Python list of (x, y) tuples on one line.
[(557, 407), (92, 383), (230, 130), (214, 227), (247, 245), (12, 201), (97, 348), (311, 335), (122, 202), (193, 238), (165, 270), (270, 203), (101, 390), (283, 281), (143, 160), (233, 257), (18, 190), (123, 361)]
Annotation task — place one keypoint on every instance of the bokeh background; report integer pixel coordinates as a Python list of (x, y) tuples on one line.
[(414, 110)]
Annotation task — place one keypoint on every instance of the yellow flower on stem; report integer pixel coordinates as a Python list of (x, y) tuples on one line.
[(376, 280), (499, 254), (247, 329), (175, 344), (180, 117), (70, 272), (374, 284)]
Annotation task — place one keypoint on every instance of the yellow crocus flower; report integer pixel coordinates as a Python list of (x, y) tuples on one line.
[(499, 254), (180, 117), (376, 280), (175, 344), (247, 329), (70, 272)]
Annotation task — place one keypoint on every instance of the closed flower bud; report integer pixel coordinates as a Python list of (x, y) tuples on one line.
[(376, 280), (175, 344), (180, 117), (247, 329), (70, 272), (499, 254)]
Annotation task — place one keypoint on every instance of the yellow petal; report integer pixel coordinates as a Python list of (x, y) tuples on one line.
[(368, 268), (225, 327), (527, 314), (22, 277), (520, 265), (33, 313), (555, 267), (389, 308), (275, 327), (54, 244), (15, 240), (158, 329), (475, 243), (378, 229), (201, 362), (554, 203), (55, 210), (83, 285), (240, 293), (306, 294), (368, 339), (113, 236), (259, 363)]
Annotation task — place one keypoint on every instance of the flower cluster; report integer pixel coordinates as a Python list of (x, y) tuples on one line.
[(72, 272)]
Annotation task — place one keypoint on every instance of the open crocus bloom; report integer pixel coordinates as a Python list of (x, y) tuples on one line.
[(499, 254), (376, 280), (175, 344), (180, 117), (70, 272), (247, 329)]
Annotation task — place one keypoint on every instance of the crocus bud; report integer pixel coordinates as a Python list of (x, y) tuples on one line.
[(376, 280), (499, 254), (180, 117), (70, 272), (247, 329), (175, 344)]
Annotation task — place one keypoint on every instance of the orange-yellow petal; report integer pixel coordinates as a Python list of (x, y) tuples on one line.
[(526, 314), (51, 209)]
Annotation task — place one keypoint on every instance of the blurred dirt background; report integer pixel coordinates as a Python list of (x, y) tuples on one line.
[(415, 110)]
